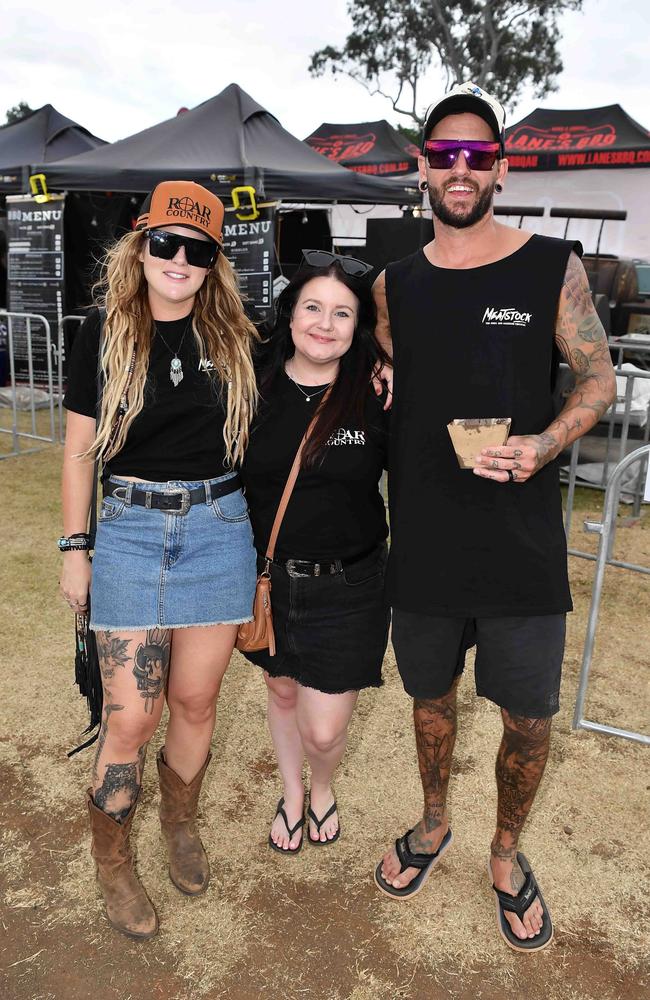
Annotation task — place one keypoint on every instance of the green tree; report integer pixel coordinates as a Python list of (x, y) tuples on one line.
[(18, 112), (413, 135), (501, 45)]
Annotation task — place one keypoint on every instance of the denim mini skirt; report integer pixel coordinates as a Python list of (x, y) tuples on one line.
[(154, 569)]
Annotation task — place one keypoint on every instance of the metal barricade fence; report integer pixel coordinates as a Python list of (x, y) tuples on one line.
[(605, 529), (64, 322), (614, 418), (16, 433)]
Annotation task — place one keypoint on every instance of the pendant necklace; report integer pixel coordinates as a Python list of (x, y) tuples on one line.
[(176, 367), (300, 388)]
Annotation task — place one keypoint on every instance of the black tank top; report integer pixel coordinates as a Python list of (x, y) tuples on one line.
[(474, 343)]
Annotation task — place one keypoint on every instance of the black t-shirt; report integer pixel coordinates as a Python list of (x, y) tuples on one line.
[(178, 434), (336, 510), (474, 343)]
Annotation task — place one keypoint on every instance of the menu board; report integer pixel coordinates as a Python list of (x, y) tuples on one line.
[(249, 248), (35, 277)]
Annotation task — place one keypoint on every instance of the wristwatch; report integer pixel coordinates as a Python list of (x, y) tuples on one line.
[(78, 542)]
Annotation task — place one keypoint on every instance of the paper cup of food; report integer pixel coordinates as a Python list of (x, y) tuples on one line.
[(470, 435)]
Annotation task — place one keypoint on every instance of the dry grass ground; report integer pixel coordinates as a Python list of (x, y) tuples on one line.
[(313, 925)]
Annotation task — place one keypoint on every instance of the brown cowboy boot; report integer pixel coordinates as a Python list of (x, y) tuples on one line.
[(128, 907), (189, 868)]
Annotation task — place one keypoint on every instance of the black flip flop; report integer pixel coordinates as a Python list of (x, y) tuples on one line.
[(290, 830), (425, 862), (518, 904), (319, 822)]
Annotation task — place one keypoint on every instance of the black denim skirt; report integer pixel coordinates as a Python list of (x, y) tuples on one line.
[(331, 631)]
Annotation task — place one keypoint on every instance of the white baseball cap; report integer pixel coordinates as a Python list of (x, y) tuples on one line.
[(468, 97)]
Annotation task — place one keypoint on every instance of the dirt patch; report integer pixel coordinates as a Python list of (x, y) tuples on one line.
[(313, 925)]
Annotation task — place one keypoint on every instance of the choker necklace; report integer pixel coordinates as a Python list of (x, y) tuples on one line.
[(300, 389), (176, 367)]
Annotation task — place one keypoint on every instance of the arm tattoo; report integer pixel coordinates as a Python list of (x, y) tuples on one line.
[(151, 666), (582, 342), (382, 329)]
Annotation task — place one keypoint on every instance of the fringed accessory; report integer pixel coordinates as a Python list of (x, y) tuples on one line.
[(87, 675)]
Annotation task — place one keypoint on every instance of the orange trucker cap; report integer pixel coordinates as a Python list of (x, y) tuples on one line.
[(182, 203)]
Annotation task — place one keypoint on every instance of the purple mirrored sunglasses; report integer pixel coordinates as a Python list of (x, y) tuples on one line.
[(441, 154)]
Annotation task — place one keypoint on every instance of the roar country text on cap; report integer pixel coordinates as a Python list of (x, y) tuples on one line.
[(183, 203)]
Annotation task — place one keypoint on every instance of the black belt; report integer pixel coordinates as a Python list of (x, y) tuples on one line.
[(329, 567), (175, 502)]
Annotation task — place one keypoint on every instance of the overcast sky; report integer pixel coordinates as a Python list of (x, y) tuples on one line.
[(119, 66)]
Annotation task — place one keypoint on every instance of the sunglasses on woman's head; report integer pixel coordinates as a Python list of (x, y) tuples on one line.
[(199, 253), (441, 154), (323, 258)]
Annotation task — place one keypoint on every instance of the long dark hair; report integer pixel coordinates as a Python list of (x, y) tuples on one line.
[(347, 397)]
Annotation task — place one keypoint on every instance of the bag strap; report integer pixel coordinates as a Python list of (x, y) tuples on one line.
[(291, 482)]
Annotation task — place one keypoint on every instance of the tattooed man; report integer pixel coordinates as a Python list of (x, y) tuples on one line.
[(477, 320)]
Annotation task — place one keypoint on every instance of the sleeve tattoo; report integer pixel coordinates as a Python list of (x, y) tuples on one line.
[(581, 340), (382, 330)]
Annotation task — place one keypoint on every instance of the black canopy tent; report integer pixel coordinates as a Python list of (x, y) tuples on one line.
[(585, 160), (226, 141), (41, 137), (374, 148), (550, 139)]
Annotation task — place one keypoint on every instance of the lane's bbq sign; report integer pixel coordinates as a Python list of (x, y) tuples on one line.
[(539, 143)]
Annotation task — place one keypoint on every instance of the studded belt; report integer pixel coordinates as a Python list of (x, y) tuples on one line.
[(177, 501)]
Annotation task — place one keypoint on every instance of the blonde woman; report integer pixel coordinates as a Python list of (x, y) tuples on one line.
[(173, 574)]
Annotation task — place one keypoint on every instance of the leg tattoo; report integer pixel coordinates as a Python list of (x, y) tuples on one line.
[(103, 732), (142, 756), (118, 791), (113, 653), (435, 733), (152, 666), (519, 768)]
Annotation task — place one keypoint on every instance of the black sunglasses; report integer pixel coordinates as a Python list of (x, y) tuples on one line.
[(323, 258), (199, 253)]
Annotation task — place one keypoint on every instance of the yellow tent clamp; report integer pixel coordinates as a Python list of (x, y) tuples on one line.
[(38, 186), (236, 201)]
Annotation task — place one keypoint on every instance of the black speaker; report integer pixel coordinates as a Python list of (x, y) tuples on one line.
[(392, 239)]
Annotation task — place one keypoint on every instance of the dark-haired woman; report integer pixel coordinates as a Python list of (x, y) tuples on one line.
[(330, 618)]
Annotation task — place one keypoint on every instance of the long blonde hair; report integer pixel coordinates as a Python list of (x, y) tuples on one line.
[(222, 331)]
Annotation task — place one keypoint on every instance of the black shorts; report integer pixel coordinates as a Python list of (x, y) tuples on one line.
[(518, 660), (331, 631)]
